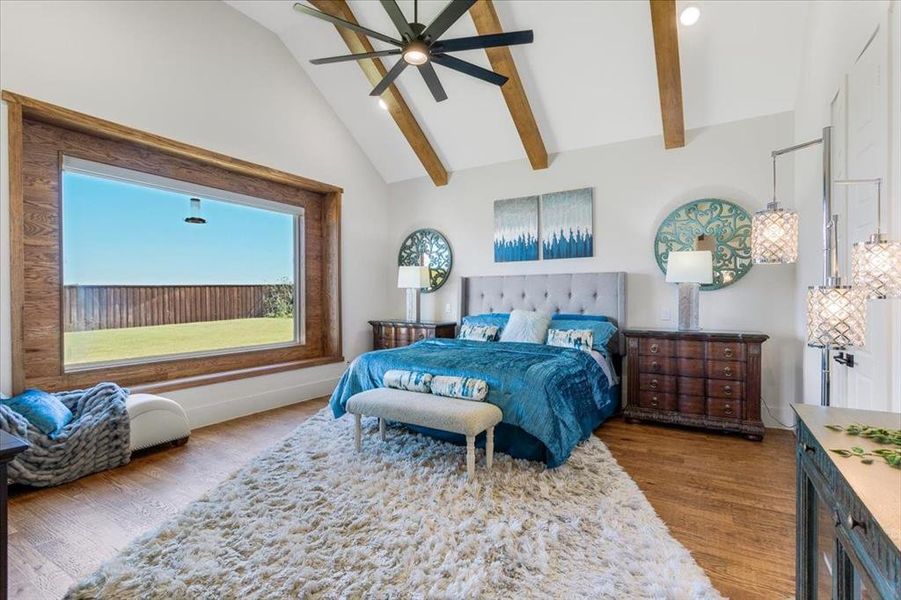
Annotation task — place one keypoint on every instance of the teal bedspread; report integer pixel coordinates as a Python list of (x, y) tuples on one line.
[(557, 396)]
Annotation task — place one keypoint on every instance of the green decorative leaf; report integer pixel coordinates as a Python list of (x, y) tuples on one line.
[(867, 461), (841, 452), (835, 427)]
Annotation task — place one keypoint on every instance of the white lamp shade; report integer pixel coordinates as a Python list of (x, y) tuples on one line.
[(876, 267), (694, 266), (774, 237), (413, 277)]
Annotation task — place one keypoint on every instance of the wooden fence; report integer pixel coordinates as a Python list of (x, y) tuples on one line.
[(90, 307)]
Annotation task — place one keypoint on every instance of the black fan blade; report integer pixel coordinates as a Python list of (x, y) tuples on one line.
[(389, 77), (431, 80), (491, 40), (448, 17), (470, 69), (346, 24), (361, 56), (397, 17)]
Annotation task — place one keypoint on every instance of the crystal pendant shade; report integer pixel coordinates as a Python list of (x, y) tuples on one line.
[(836, 316), (774, 236), (876, 268)]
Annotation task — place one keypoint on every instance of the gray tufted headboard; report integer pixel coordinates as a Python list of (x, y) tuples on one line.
[(573, 293)]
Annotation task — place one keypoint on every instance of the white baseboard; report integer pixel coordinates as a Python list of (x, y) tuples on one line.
[(234, 407)]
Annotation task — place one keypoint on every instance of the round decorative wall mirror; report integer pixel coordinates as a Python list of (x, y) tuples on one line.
[(726, 228), (430, 248)]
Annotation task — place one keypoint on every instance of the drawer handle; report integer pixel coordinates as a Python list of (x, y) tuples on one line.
[(421, 336), (655, 365), (727, 409), (728, 352), (727, 389), (852, 523), (653, 384), (654, 348), (808, 448), (727, 371), (654, 401)]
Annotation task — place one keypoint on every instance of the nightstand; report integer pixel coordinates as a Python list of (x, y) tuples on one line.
[(707, 379), (398, 333)]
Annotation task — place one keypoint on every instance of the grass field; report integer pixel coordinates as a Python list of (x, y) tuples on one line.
[(136, 342)]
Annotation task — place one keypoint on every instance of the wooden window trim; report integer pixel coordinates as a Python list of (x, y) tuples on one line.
[(322, 202)]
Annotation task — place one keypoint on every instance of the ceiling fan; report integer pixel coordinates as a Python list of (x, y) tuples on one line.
[(420, 46)]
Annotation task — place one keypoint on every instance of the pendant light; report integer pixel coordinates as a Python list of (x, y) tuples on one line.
[(876, 263), (836, 313), (774, 232), (195, 218)]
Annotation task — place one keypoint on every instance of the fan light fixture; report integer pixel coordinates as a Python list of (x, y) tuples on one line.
[(416, 53), (690, 15), (774, 232)]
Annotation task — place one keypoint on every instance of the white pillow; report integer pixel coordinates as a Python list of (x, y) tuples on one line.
[(526, 326)]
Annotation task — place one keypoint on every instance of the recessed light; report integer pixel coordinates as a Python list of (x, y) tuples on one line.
[(690, 15), (382, 104)]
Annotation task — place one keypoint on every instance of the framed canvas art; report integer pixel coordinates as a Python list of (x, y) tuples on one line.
[(516, 229), (567, 224)]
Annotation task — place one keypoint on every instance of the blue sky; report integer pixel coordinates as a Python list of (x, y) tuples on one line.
[(119, 233)]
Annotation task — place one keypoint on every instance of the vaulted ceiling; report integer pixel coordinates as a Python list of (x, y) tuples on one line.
[(590, 75)]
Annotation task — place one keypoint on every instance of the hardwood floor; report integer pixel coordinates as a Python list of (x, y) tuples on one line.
[(728, 500)]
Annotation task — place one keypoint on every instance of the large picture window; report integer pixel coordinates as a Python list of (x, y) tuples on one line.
[(155, 268)]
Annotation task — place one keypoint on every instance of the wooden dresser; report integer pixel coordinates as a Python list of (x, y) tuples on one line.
[(848, 512), (704, 379), (397, 333)]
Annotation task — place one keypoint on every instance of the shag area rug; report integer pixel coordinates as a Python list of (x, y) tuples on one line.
[(310, 518)]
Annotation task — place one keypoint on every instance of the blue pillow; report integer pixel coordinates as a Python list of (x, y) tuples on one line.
[(602, 331), (562, 317), (41, 409), (498, 320)]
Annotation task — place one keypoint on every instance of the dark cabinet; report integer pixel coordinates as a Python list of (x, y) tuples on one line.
[(395, 334)]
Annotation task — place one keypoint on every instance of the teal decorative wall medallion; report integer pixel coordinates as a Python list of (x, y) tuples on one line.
[(726, 222), (427, 247)]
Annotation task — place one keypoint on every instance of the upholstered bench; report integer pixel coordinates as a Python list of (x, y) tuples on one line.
[(155, 421), (465, 417)]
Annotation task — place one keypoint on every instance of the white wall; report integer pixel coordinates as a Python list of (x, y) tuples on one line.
[(636, 184), (836, 34), (203, 73)]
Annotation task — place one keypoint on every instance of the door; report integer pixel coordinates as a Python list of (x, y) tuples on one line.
[(860, 114)]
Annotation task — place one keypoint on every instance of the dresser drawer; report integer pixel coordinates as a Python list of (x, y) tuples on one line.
[(726, 409), (655, 347), (725, 369), (657, 364), (726, 351), (689, 349), (692, 386), (657, 400), (691, 405), (690, 367), (657, 383), (725, 388)]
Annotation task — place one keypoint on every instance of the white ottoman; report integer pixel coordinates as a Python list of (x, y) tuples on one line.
[(156, 420)]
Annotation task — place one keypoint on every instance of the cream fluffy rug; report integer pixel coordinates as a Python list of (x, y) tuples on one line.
[(312, 519)]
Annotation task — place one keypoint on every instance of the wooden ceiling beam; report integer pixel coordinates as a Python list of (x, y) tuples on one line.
[(397, 106), (485, 18), (669, 74)]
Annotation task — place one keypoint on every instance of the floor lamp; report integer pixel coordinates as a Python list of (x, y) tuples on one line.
[(836, 313)]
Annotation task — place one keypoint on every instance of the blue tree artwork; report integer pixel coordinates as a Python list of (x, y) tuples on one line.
[(567, 226), (516, 229)]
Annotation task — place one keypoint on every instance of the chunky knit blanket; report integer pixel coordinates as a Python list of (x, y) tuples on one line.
[(96, 439)]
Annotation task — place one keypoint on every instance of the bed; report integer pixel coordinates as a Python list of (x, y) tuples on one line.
[(552, 398)]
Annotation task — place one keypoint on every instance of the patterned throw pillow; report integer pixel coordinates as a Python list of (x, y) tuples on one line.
[(580, 339), (479, 333), (465, 388), (603, 331), (526, 326), (497, 319), (412, 381)]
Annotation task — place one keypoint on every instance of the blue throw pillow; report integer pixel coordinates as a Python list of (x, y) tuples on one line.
[(562, 317), (41, 409), (498, 320), (602, 331)]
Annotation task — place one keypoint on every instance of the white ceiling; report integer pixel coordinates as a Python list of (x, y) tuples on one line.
[(590, 75)]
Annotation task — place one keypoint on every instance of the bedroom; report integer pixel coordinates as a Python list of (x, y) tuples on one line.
[(628, 114)]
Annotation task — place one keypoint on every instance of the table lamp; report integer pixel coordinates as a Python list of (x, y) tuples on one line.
[(413, 279), (689, 269)]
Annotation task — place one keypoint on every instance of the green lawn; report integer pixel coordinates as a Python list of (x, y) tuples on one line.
[(136, 342)]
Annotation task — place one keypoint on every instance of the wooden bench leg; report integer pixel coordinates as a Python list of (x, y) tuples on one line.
[(358, 433), (470, 455), (382, 428), (489, 447)]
